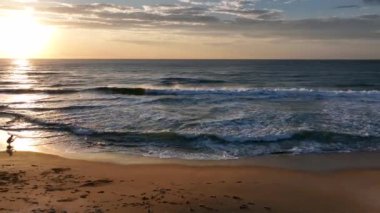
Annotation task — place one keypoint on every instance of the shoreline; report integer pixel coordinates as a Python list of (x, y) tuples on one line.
[(60, 184), (301, 162)]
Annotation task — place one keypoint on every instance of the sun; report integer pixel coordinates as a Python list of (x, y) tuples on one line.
[(22, 36)]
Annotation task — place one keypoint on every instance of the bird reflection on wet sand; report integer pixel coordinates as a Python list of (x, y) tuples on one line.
[(10, 148)]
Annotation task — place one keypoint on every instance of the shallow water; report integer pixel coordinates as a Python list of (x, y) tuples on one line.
[(209, 109)]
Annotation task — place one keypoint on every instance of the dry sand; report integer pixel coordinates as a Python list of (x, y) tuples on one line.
[(32, 182)]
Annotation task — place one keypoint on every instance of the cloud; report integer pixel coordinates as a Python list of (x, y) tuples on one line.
[(26, 1), (253, 13), (187, 13), (209, 17), (112, 15), (146, 42), (350, 6), (238, 8), (371, 1), (359, 27)]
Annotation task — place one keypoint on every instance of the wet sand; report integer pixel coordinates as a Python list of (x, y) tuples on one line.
[(32, 182)]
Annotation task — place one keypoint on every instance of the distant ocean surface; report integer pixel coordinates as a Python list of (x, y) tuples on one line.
[(192, 109)]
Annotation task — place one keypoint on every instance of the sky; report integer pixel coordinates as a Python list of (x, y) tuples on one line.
[(189, 29)]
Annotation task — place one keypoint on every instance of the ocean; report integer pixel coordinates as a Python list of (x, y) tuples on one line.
[(191, 109)]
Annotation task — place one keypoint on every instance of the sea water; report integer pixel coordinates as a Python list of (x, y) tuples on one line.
[(191, 109)]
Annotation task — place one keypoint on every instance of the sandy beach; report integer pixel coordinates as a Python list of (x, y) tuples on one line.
[(175, 106), (34, 182)]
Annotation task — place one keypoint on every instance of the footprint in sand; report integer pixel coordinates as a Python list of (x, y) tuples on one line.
[(54, 171), (4, 189), (268, 208), (95, 183), (207, 208), (67, 200), (242, 207)]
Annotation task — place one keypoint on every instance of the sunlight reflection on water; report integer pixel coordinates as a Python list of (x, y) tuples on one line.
[(18, 73)]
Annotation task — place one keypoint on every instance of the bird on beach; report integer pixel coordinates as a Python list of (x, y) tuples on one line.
[(10, 149)]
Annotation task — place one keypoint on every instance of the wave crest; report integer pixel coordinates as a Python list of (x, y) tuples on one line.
[(228, 91), (157, 91)]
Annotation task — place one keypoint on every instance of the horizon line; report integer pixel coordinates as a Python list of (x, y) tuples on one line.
[(204, 59)]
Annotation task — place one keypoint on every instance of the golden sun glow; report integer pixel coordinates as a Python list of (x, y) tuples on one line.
[(22, 36), (25, 140)]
